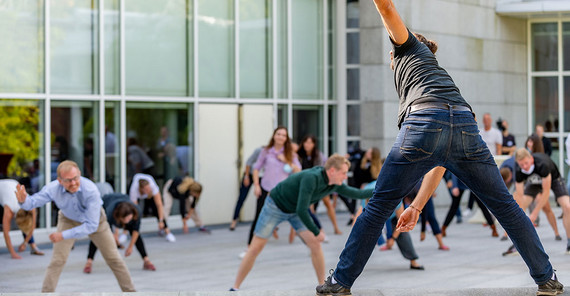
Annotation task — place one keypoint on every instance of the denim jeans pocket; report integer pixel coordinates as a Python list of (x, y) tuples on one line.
[(474, 147), (419, 143)]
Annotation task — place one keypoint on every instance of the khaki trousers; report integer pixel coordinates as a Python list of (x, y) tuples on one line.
[(105, 242)]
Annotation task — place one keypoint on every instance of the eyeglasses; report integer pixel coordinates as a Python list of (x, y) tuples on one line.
[(76, 178)]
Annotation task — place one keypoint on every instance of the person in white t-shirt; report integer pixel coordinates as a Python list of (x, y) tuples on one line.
[(144, 187), (491, 135), (26, 220)]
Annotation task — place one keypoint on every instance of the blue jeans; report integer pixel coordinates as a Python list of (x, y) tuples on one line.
[(271, 216), (430, 138)]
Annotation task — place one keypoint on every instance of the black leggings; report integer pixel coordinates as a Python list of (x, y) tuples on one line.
[(260, 202), (138, 244), (483, 208), (455, 201), (151, 205)]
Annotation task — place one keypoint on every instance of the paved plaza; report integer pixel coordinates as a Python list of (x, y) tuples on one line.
[(206, 264)]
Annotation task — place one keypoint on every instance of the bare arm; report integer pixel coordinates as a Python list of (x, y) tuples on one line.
[(409, 217), (159, 208), (518, 195), (256, 186), (392, 21), (6, 229), (542, 198)]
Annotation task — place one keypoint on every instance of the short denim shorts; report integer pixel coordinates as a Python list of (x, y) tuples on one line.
[(271, 216)]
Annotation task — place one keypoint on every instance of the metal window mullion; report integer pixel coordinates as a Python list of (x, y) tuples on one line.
[(47, 106), (530, 107), (341, 76), (325, 80), (102, 168), (560, 100), (274, 60), (289, 69), (196, 92), (123, 104)]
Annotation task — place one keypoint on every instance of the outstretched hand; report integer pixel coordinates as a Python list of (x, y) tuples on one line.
[(408, 220), (21, 193)]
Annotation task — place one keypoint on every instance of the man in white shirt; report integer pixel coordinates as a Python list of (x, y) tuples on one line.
[(491, 135)]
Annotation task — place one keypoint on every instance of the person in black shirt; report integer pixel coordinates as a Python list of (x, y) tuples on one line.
[(122, 213), (509, 143), (541, 175), (438, 131)]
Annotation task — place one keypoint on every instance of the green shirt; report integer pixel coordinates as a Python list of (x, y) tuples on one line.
[(296, 193)]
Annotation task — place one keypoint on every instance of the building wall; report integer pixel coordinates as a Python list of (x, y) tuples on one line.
[(484, 53)]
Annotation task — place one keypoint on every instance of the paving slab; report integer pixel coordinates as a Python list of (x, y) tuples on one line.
[(206, 264)]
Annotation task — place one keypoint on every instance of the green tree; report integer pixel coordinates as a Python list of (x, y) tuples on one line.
[(19, 129)]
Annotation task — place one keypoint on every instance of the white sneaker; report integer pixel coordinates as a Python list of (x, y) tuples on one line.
[(466, 212), (123, 238), (242, 254), (170, 237)]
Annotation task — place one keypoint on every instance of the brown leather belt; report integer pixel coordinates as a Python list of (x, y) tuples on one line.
[(430, 105)]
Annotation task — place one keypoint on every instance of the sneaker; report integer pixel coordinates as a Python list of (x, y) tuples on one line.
[(511, 251), (459, 220), (568, 250), (233, 290), (242, 254), (558, 238), (330, 289), (504, 238), (161, 232), (170, 237), (36, 252), (466, 212), (552, 287), (204, 229)]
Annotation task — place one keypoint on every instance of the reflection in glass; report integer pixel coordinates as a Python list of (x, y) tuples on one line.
[(353, 120), (74, 47), (156, 47), (353, 84), (255, 49), (159, 140), (566, 45), (307, 120), (546, 101), (216, 43), (353, 48), (112, 144), (332, 128), (22, 50), (544, 46), (21, 158), (567, 104), (282, 115), (307, 49), (352, 14), (74, 136)]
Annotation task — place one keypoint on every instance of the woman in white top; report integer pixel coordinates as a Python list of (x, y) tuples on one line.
[(144, 187), (25, 220)]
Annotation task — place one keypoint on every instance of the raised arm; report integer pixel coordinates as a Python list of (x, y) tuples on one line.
[(392, 21)]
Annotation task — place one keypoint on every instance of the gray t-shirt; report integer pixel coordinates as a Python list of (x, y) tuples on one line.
[(420, 79)]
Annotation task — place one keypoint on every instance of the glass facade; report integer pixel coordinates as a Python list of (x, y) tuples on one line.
[(550, 83), (101, 81)]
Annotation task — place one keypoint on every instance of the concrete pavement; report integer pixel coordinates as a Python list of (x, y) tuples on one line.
[(206, 264)]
